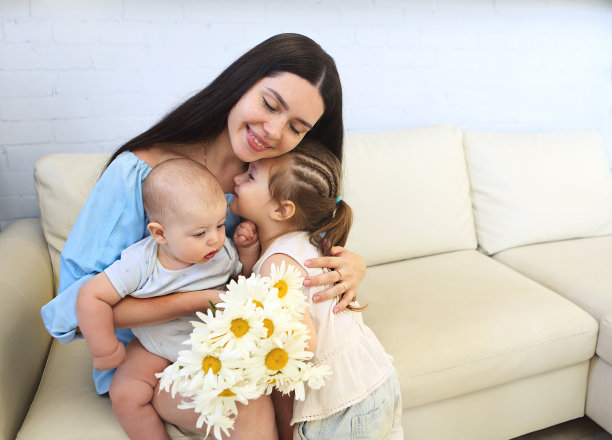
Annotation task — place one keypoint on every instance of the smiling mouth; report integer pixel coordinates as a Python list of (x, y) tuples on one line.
[(210, 255), (255, 144)]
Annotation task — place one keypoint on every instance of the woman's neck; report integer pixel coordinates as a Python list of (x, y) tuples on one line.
[(222, 162)]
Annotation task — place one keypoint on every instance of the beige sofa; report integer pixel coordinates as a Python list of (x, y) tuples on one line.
[(486, 282)]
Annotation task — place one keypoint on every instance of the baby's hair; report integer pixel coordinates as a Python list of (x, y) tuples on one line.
[(311, 177), (171, 184)]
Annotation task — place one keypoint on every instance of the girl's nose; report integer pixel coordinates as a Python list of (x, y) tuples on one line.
[(239, 178)]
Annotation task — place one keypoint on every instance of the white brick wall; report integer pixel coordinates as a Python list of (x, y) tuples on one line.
[(87, 75)]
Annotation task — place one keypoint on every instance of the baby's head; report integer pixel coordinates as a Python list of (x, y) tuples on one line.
[(186, 209), (305, 184)]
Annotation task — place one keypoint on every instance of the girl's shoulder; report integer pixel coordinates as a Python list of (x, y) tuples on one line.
[(295, 245)]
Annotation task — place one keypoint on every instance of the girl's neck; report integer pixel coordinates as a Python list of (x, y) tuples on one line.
[(270, 232)]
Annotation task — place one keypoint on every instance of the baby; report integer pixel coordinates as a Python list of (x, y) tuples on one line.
[(186, 251)]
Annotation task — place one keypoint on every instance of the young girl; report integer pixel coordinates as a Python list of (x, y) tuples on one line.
[(294, 201)]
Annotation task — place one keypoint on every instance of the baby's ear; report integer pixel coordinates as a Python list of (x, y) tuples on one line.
[(284, 211), (157, 232)]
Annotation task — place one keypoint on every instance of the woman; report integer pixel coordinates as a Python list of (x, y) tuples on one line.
[(262, 105)]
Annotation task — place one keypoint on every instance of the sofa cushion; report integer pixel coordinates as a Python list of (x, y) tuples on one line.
[(410, 193), (577, 269), (63, 182), (462, 322), (535, 188)]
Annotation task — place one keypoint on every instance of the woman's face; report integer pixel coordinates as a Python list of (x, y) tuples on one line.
[(273, 116)]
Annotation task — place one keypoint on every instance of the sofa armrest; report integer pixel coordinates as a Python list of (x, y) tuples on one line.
[(26, 283)]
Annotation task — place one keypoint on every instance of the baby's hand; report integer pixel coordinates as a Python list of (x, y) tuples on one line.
[(112, 360), (245, 234)]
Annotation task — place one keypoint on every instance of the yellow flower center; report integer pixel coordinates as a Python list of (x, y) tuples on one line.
[(277, 359), (239, 327), (258, 305), (267, 323), (211, 363), (282, 287), (226, 393)]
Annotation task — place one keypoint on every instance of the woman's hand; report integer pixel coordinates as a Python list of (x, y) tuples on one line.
[(347, 272)]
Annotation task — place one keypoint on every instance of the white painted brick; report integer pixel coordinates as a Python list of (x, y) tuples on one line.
[(371, 15), (90, 83), (118, 57), (18, 207), (44, 108), (77, 9), (25, 132), (406, 57), (75, 32), (14, 9), (128, 105), (26, 57), (27, 31), (335, 36), (188, 55), (404, 37), (372, 37), (126, 33), (302, 12), (450, 58), (16, 183), (159, 10), (212, 11), (23, 84), (99, 129)]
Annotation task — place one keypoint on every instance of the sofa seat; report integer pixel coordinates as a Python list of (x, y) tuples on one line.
[(472, 324), (579, 270), (67, 405)]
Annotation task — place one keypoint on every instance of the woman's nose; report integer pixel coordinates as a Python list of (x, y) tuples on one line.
[(273, 128)]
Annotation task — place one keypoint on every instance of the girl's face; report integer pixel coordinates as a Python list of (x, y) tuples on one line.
[(252, 192), (273, 116)]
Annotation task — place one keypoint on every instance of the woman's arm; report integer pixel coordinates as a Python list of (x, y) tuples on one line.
[(347, 272), (140, 312)]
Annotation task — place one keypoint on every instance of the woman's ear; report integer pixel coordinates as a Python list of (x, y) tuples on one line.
[(284, 211), (157, 232)]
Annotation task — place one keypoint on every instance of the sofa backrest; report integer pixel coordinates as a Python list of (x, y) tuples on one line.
[(539, 187), (63, 182), (410, 193)]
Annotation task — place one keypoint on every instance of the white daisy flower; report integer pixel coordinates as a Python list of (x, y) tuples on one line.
[(254, 288), (281, 358), (235, 328), (288, 284)]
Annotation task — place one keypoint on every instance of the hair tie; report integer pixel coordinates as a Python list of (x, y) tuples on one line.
[(338, 199)]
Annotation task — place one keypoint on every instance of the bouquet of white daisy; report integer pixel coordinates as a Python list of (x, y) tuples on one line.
[(246, 345)]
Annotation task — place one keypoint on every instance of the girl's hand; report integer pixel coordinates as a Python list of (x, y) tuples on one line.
[(245, 234), (348, 270)]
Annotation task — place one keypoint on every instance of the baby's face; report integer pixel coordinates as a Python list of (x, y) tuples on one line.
[(196, 233)]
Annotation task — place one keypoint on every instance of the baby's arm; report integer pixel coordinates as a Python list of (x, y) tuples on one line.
[(247, 244), (95, 316)]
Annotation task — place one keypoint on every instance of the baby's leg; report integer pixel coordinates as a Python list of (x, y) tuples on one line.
[(255, 421), (131, 392)]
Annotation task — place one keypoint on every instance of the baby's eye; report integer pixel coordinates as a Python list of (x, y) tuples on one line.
[(199, 234), (221, 226)]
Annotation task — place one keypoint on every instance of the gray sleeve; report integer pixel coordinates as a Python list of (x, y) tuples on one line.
[(125, 273)]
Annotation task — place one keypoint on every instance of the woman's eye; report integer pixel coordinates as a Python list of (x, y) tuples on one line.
[(268, 106), (295, 130)]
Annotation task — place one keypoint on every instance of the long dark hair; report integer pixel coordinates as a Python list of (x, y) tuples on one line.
[(204, 116)]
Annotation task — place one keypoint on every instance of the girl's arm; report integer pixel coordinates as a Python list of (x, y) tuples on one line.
[(140, 312), (94, 312), (348, 270)]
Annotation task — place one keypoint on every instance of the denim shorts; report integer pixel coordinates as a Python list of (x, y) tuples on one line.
[(377, 417)]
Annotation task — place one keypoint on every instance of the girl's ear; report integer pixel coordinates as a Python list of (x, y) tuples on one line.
[(284, 211), (157, 232)]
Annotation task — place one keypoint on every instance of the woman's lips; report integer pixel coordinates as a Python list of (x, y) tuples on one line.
[(255, 142)]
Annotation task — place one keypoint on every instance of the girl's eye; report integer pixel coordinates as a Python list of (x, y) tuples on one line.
[(250, 176), (268, 106)]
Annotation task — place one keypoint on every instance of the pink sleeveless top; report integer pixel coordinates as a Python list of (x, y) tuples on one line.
[(358, 361)]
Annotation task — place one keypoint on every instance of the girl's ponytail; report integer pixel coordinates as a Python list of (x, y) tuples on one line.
[(335, 231)]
